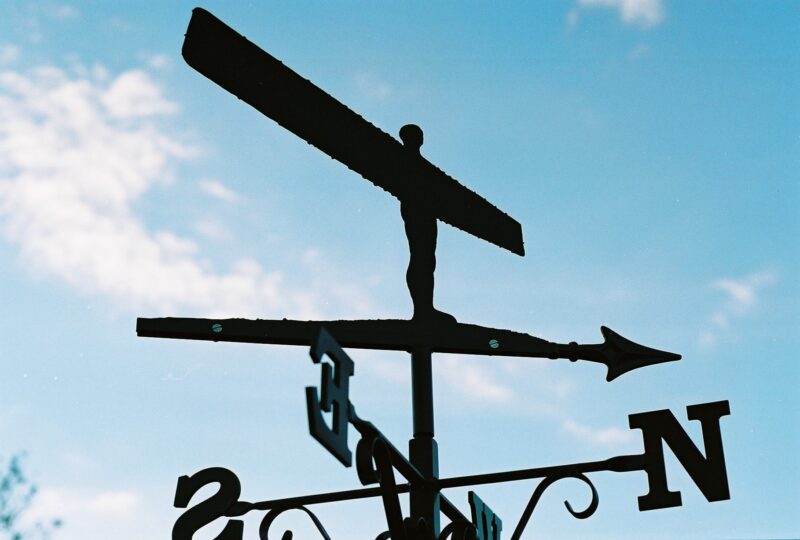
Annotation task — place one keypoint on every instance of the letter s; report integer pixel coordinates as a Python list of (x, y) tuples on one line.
[(210, 509)]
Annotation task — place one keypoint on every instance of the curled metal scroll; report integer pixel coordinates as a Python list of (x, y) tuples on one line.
[(539, 491), (365, 465), (391, 503), (263, 529), (458, 531)]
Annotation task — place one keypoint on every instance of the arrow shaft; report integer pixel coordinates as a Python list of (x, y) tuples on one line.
[(387, 334), (619, 354)]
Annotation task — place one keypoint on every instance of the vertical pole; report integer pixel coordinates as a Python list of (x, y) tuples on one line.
[(422, 449)]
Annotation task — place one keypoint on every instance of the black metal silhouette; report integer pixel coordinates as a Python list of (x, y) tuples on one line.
[(335, 385), (426, 195), (419, 220), (376, 458), (539, 491), (619, 354), (425, 192), (266, 523), (254, 76)]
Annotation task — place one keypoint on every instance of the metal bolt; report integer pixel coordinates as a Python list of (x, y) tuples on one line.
[(216, 328), (494, 344)]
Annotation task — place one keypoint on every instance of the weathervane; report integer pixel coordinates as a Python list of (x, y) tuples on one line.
[(426, 195)]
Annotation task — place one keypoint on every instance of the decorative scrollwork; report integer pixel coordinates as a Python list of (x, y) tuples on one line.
[(391, 503), (458, 530), (263, 529), (539, 491), (365, 466)]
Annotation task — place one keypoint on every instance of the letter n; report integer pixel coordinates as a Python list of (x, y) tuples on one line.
[(707, 472)]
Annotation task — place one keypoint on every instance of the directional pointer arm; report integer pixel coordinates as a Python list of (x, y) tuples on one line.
[(619, 354)]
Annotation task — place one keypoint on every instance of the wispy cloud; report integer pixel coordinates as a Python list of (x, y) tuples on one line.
[(90, 514), (611, 436), (377, 365), (9, 53), (642, 13), (159, 61), (134, 95), (573, 16), (76, 153), (170, 376), (639, 51), (67, 502), (60, 11), (212, 228), (373, 86), (741, 298), (471, 379), (218, 190)]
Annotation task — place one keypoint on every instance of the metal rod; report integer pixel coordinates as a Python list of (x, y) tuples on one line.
[(618, 353), (627, 463), (422, 392), (242, 507), (422, 449), (403, 466), (634, 462)]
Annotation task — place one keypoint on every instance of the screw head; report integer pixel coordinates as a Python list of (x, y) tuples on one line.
[(216, 328), (494, 344)]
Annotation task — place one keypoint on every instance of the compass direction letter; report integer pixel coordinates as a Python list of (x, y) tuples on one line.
[(334, 388), (487, 524), (707, 472), (210, 509)]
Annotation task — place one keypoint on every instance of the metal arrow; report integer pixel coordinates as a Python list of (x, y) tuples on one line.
[(619, 354)]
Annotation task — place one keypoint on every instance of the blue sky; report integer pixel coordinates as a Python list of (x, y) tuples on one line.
[(648, 148)]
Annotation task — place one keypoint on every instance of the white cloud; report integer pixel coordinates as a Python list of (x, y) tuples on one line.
[(742, 292), (707, 339), (119, 504), (639, 51), (644, 13), (573, 15), (9, 54), (218, 190), (75, 154), (134, 95), (312, 255), (741, 300), (170, 376), (78, 461), (212, 228), (376, 364), (61, 12), (373, 86), (471, 380), (612, 436), (91, 514), (11, 416), (159, 61), (562, 389), (74, 504)]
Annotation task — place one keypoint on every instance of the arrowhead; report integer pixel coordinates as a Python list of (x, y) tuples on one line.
[(623, 355)]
